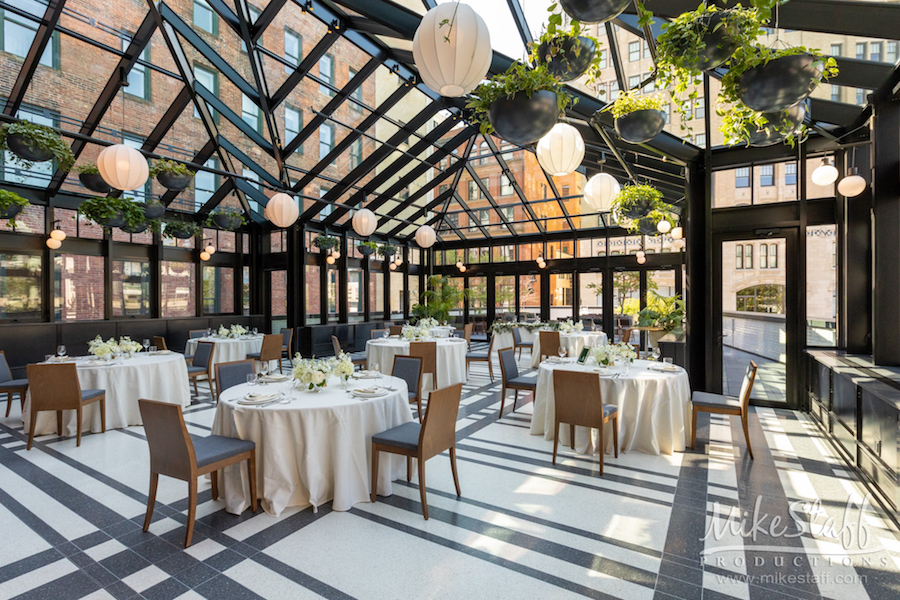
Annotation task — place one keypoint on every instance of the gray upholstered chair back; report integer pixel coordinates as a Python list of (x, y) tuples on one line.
[(286, 337), (408, 368), (197, 333), (234, 373), (517, 335), (5, 373), (508, 360), (202, 354)]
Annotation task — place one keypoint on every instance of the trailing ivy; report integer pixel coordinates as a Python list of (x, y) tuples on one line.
[(631, 101), (9, 199), (41, 136), (171, 167), (101, 209), (556, 37)]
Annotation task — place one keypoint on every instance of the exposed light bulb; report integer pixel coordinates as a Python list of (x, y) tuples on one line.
[(462, 268), (58, 235), (336, 254), (393, 266), (825, 174), (53, 244), (459, 264), (329, 260), (641, 260), (640, 254)]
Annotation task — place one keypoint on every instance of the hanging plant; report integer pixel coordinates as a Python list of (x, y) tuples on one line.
[(567, 53), (635, 201), (32, 143), (367, 248), (173, 175), (521, 105), (387, 250), (324, 242), (112, 212), (647, 225), (89, 176), (181, 230), (744, 126), (639, 118), (11, 204), (153, 209), (594, 11), (226, 217)]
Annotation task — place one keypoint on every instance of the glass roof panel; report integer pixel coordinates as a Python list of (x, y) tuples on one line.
[(505, 37)]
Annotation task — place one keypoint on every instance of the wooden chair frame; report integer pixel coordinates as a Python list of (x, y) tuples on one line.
[(479, 359), (159, 341), (10, 391), (742, 411), (427, 351), (57, 388), (395, 329), (507, 386), (289, 344), (517, 346), (467, 334), (209, 371), (546, 338), (578, 398), (271, 349)]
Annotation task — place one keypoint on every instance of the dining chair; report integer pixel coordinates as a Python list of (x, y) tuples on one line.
[(427, 351), (509, 373), (518, 344), (377, 333), (436, 433), (482, 357), (579, 401), (202, 365), (287, 335), (550, 343), (726, 405), (395, 329), (467, 334), (160, 342), (57, 388), (177, 454), (409, 369), (197, 333), (270, 350), (336, 345), (626, 338), (233, 373), (11, 386)]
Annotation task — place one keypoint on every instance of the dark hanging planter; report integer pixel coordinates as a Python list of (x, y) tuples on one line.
[(566, 65), (116, 221), (140, 228), (227, 221), (648, 226), (523, 120), (641, 125), (780, 83), (153, 211), (780, 125), (718, 42), (23, 146), (174, 182), (180, 230), (94, 182), (388, 253), (366, 250), (594, 11), (11, 212), (640, 209)]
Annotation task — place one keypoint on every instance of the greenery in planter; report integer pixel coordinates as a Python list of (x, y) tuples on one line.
[(387, 250), (87, 169), (181, 229), (232, 213), (557, 38), (654, 217), (738, 121), (643, 198), (631, 101), (102, 209), (441, 297), (666, 312), (8, 200), (325, 242), (372, 245), (519, 77), (42, 137), (164, 165)]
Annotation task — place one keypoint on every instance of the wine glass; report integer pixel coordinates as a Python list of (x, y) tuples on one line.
[(251, 378), (61, 350), (656, 353), (255, 331), (146, 344), (208, 332), (562, 352), (385, 334), (264, 368)]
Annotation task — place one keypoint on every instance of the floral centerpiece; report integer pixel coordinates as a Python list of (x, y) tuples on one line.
[(626, 351), (126, 344), (101, 349), (607, 354), (235, 332), (342, 367), (312, 373), (507, 326), (411, 332), (569, 326), (428, 323)]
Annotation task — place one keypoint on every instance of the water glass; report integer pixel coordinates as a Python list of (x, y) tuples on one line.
[(667, 360), (251, 379), (146, 344), (61, 350), (562, 352), (656, 353), (255, 331), (152, 349)]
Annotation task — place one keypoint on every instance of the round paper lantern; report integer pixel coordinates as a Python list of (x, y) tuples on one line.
[(58, 235), (425, 236), (123, 167), (364, 222), (336, 254), (462, 269), (329, 259), (282, 210), (852, 185), (459, 264), (204, 256), (542, 265), (53, 244), (663, 226), (561, 151), (600, 190), (210, 249), (677, 232), (678, 244), (393, 266), (456, 65), (825, 174), (641, 260)]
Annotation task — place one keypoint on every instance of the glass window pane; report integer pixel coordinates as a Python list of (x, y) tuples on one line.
[(177, 283), (397, 293), (561, 296), (376, 295), (333, 282), (278, 299), (131, 288), (313, 295), (20, 286), (505, 297), (356, 294), (530, 297), (590, 295), (218, 290), (79, 287), (821, 285)]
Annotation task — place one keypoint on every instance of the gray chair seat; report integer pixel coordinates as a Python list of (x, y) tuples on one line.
[(88, 394), (213, 448), (709, 400), (609, 409), (402, 436), (480, 355), (523, 381), (196, 369), (14, 384), (528, 344), (412, 395), (188, 357), (255, 355)]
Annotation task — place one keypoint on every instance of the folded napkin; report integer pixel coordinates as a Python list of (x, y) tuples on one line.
[(257, 398), (665, 368), (163, 352), (275, 378), (366, 375)]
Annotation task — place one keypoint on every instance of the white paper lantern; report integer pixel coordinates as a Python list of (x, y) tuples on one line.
[(53, 244), (678, 244), (641, 260), (425, 236), (123, 167), (204, 256), (393, 266), (462, 269), (453, 66), (852, 185), (459, 264), (210, 249), (282, 210), (600, 191), (364, 222), (677, 232), (329, 259), (561, 151), (825, 174), (58, 235), (640, 254), (663, 226)]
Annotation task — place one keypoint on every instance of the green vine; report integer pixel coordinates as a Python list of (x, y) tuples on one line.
[(8, 200), (631, 101), (644, 197), (183, 229), (87, 169), (40, 136), (372, 245), (229, 211), (557, 38), (387, 250), (171, 167), (100, 210), (325, 242)]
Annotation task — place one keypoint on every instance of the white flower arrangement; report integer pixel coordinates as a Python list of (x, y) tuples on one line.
[(409, 332), (607, 354), (237, 331), (428, 323), (99, 348), (626, 351), (312, 372), (342, 366), (222, 332), (126, 344)]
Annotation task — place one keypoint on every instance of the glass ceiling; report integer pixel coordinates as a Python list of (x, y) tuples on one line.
[(321, 98)]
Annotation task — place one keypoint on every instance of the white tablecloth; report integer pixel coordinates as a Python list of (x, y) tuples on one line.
[(573, 342), (227, 349), (505, 339), (155, 377), (654, 409), (451, 359), (314, 449)]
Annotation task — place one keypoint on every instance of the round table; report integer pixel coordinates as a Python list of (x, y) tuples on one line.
[(313, 449), (227, 349), (654, 407), (160, 376), (574, 343), (451, 359), (506, 339)]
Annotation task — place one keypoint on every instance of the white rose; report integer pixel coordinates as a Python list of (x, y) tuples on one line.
[(318, 377)]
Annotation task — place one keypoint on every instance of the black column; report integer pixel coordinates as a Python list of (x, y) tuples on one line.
[(700, 346)]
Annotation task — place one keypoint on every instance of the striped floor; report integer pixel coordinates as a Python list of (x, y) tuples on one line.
[(651, 527)]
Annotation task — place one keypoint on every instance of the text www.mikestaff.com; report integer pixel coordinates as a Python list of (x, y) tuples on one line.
[(794, 579)]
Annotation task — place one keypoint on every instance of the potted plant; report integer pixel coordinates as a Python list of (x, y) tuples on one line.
[(136, 228), (639, 118), (173, 175), (594, 11), (11, 204), (441, 298), (32, 143), (567, 53), (666, 313), (325, 242), (181, 230), (647, 225), (387, 250), (742, 125), (226, 217), (521, 105), (367, 248), (89, 176), (153, 209), (112, 212)]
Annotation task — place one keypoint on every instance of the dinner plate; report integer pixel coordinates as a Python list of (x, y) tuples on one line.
[(665, 369), (369, 393), (251, 399)]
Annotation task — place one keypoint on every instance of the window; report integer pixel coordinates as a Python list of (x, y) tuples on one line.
[(139, 76), (836, 49), (20, 286), (218, 290), (473, 189), (19, 32), (452, 219), (485, 187), (376, 295), (356, 299), (250, 113), (891, 55), (738, 257), (875, 51), (634, 81), (651, 85), (482, 217), (699, 108), (293, 123), (357, 94), (205, 184), (140, 193), (131, 288), (313, 295), (767, 175), (205, 17), (748, 256), (326, 139), (613, 91), (765, 298), (544, 190), (79, 287), (860, 96), (326, 74), (254, 15), (742, 177), (397, 294), (790, 174), (293, 49), (763, 256), (508, 213), (634, 51), (603, 63), (667, 109), (356, 153), (861, 51), (484, 153), (773, 256), (328, 208), (835, 93), (443, 188), (565, 191), (506, 187), (251, 176), (646, 49), (210, 80), (700, 140)]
